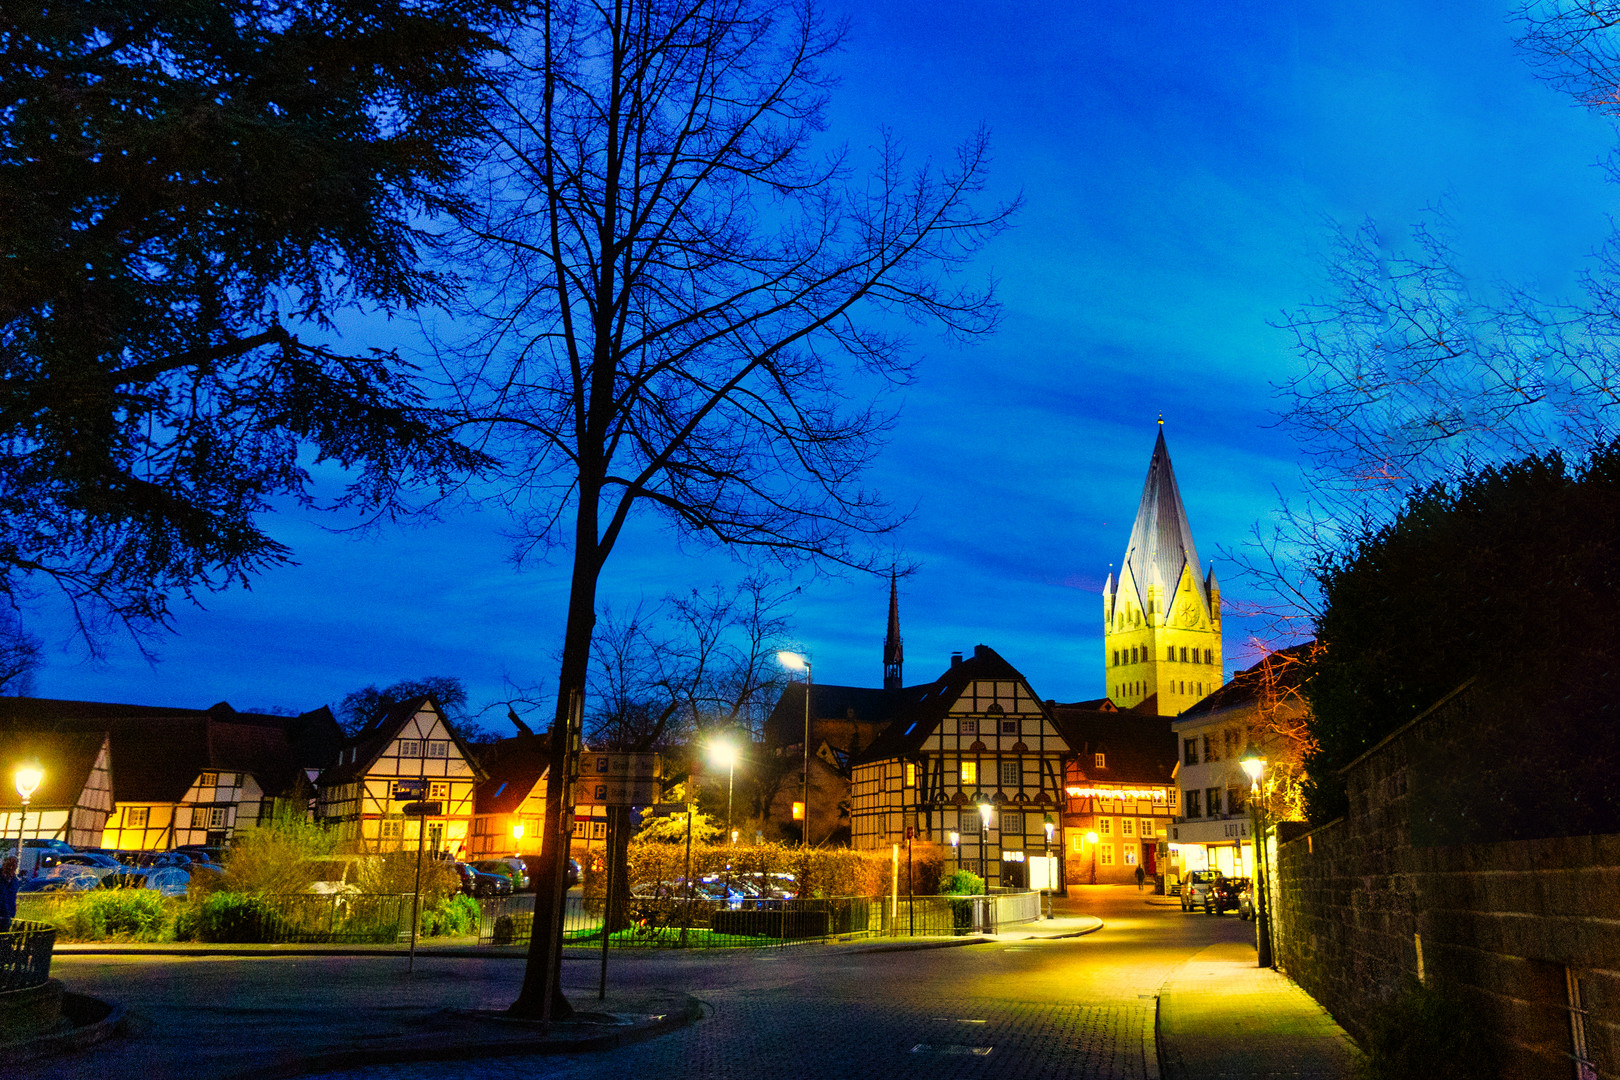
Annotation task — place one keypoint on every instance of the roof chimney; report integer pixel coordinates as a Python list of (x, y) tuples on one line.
[(956, 658)]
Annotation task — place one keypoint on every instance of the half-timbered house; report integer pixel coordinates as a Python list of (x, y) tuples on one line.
[(188, 776), (1119, 792), (509, 804), (974, 752), (410, 754), (74, 796)]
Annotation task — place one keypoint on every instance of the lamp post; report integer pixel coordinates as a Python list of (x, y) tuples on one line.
[(956, 838), (1049, 868), (1091, 838), (28, 779), (1255, 766), (985, 810), (517, 839), (724, 754), (795, 662)]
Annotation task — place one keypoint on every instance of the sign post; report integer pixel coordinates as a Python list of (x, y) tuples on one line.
[(618, 779), (421, 811)]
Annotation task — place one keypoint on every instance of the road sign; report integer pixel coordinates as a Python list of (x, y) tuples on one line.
[(620, 765), (423, 809), (409, 789), (618, 792)]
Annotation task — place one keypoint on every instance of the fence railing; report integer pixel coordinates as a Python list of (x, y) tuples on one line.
[(674, 922), (25, 954), (348, 919)]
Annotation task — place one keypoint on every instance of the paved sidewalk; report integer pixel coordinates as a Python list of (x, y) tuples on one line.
[(1223, 1018)]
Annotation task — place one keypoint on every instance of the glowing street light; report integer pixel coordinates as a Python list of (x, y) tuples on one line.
[(724, 754), (27, 779), (517, 836), (985, 810), (1049, 874), (797, 662), (1255, 766), (1091, 838), (956, 838)]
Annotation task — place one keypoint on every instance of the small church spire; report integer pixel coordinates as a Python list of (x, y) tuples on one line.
[(894, 652)]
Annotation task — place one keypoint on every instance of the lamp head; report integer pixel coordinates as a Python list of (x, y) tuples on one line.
[(793, 661), (956, 838), (1049, 828), (28, 779), (1091, 838), (723, 754), (985, 810), (1252, 763), (517, 831)]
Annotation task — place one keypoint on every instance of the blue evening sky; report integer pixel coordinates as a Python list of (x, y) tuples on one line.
[(1180, 165)]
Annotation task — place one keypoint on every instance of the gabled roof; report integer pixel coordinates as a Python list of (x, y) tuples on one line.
[(1161, 541), (158, 752), (369, 743), (512, 772), (828, 701), (1137, 749), (64, 758), (1288, 667), (916, 710)]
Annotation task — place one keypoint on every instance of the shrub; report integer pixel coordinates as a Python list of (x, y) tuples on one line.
[(230, 918), (1425, 1032), (451, 916), (961, 883), (281, 856), (102, 914), (394, 873)]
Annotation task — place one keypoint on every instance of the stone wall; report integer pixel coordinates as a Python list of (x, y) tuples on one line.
[(1360, 908)]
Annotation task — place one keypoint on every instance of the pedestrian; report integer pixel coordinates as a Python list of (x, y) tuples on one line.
[(9, 884), (1141, 876)]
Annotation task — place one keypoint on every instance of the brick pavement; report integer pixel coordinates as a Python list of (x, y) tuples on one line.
[(1223, 1018)]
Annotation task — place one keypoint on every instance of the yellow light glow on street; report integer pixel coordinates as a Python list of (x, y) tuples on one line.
[(28, 780), (792, 661)]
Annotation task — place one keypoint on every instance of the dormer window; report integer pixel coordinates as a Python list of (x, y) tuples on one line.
[(209, 779), (1100, 760)]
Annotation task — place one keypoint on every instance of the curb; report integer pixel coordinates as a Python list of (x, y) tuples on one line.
[(113, 1017), (285, 1067), (918, 946)]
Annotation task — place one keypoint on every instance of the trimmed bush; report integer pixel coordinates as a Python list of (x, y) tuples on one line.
[(961, 883), (229, 918), (451, 917), (119, 914)]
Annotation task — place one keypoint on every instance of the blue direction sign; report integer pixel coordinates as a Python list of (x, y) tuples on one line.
[(409, 789)]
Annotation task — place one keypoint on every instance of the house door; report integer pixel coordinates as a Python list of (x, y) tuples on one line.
[(1150, 858)]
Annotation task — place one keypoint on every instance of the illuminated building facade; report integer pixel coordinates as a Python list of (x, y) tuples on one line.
[(1119, 792)]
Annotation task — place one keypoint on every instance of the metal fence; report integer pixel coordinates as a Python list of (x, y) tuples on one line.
[(25, 954), (700, 923), (313, 919)]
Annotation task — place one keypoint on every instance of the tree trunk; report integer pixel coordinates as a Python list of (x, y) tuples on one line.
[(545, 942)]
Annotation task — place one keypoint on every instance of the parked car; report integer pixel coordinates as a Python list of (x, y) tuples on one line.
[(477, 883), (1222, 894), (69, 864), (1193, 887), (165, 880), (1246, 902), (512, 868), (210, 853)]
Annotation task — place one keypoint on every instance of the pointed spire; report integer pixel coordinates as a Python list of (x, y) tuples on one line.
[(1161, 543), (894, 652)]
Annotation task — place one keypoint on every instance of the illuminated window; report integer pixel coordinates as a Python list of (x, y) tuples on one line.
[(1011, 774), (1130, 856), (1077, 842), (393, 830), (1105, 826), (135, 817), (439, 792), (1147, 826), (209, 779), (1100, 760), (1105, 854), (1127, 827), (911, 774), (798, 811), (1172, 798), (970, 772)]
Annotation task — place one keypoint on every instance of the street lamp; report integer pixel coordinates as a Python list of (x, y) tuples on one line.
[(28, 779), (795, 662), (985, 810), (517, 838), (1255, 766), (956, 838), (1049, 874), (723, 754), (1091, 838)]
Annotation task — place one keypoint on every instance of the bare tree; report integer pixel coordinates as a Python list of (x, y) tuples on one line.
[(19, 655), (689, 307)]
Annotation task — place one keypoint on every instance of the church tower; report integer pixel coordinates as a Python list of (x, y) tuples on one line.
[(1162, 618), (894, 651)]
